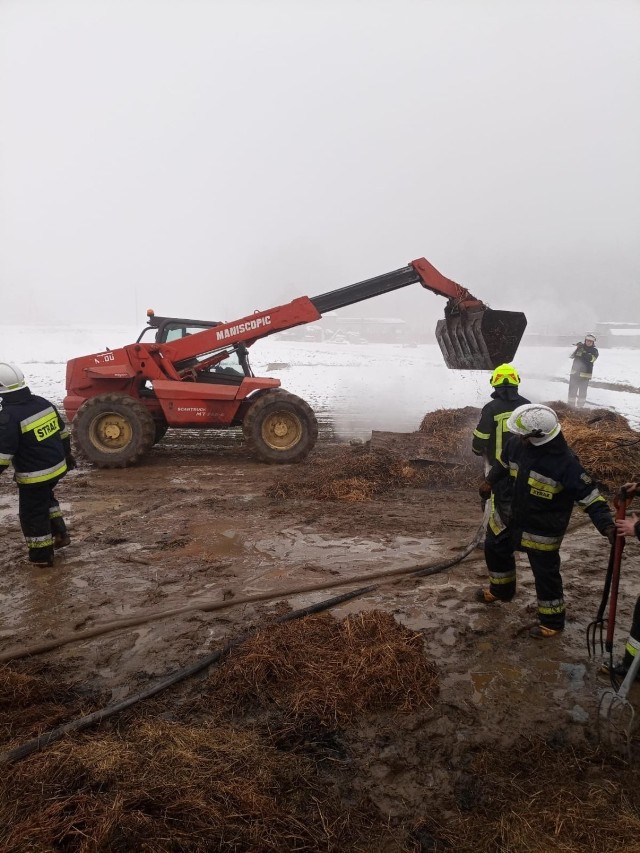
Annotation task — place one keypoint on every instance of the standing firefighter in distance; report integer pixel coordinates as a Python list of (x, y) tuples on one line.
[(583, 357), (547, 479), (34, 439), (629, 527)]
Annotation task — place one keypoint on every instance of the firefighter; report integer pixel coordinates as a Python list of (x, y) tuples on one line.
[(583, 357), (547, 479), (629, 527), (489, 435), (34, 439)]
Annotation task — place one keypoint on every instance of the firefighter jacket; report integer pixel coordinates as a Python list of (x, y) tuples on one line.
[(489, 436), (33, 438), (547, 480), (583, 360)]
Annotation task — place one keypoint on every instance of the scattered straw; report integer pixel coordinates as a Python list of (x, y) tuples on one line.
[(608, 448), (156, 785), (330, 671), (30, 705), (162, 786), (352, 474), (538, 796)]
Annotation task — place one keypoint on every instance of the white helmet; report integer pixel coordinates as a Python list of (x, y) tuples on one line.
[(11, 378), (534, 421)]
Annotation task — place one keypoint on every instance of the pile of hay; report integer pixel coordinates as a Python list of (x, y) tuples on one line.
[(215, 784), (32, 704), (328, 671), (606, 445), (450, 432), (353, 474), (162, 786), (541, 796)]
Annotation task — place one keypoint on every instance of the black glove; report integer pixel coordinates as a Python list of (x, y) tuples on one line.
[(484, 490), (610, 532), (71, 463)]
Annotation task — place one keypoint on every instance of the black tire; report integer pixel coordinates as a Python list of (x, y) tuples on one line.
[(280, 428), (161, 428), (113, 430)]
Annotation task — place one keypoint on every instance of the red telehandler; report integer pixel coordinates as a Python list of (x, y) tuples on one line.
[(196, 374)]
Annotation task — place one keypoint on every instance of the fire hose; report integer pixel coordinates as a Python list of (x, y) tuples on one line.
[(43, 740), (47, 738), (208, 606)]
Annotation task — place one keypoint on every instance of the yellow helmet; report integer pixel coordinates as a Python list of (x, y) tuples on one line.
[(505, 374)]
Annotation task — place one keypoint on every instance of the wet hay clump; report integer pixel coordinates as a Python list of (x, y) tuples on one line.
[(213, 779), (449, 433), (328, 671), (163, 786), (542, 796), (34, 703), (353, 474), (607, 446)]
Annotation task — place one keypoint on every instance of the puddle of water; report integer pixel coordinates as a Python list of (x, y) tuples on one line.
[(500, 679), (325, 549)]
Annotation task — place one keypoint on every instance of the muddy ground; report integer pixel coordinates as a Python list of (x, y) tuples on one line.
[(193, 520)]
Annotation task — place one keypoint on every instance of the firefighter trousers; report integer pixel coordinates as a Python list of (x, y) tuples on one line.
[(545, 565), (40, 518), (578, 389)]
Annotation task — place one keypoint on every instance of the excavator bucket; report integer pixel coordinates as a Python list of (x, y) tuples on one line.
[(479, 338)]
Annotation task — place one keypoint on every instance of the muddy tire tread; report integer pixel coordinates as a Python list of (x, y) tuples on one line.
[(258, 410), (109, 402)]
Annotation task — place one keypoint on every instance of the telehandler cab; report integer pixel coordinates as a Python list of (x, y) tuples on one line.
[(196, 374)]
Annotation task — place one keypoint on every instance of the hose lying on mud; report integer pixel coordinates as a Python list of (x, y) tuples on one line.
[(208, 606), (43, 740)]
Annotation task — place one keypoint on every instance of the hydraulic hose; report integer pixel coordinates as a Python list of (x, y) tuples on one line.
[(208, 606), (49, 737)]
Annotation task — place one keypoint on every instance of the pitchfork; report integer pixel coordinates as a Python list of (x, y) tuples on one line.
[(614, 703), (595, 629)]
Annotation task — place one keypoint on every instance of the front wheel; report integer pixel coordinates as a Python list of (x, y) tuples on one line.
[(280, 427), (113, 430)]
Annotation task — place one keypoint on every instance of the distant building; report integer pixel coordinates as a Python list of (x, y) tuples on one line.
[(617, 335)]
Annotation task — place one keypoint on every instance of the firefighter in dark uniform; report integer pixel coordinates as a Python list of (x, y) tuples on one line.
[(547, 479), (489, 435), (34, 439), (488, 440), (584, 357)]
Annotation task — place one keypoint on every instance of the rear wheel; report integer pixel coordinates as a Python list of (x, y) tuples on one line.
[(280, 427), (113, 430)]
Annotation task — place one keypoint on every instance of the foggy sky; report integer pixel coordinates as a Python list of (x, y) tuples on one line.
[(211, 158)]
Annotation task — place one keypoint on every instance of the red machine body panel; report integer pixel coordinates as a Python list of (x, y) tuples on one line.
[(191, 404)]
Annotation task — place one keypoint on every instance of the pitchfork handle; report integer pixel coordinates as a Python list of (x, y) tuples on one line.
[(621, 503)]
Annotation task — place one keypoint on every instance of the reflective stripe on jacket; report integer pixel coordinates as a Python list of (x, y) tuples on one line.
[(583, 360), (33, 438), (489, 435), (547, 479)]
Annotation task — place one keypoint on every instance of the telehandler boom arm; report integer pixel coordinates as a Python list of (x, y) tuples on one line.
[(471, 336)]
